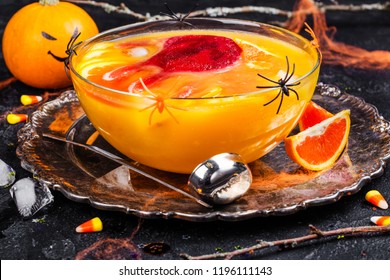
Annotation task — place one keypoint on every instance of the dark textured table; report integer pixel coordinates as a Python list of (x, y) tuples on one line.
[(51, 235)]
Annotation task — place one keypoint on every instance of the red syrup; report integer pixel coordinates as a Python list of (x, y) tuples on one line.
[(188, 53)]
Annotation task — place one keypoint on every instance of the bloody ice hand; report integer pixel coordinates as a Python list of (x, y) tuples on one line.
[(189, 53), (196, 53)]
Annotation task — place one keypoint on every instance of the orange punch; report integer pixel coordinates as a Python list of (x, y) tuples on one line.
[(381, 220), (377, 199), (93, 225)]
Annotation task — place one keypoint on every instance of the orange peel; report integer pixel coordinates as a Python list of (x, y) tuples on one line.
[(313, 115), (321, 145)]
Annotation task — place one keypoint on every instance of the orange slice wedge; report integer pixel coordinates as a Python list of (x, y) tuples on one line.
[(321, 145), (313, 115)]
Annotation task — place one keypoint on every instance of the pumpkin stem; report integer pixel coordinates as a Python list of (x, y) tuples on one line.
[(49, 2)]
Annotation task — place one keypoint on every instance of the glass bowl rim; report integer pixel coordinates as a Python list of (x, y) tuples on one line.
[(222, 20)]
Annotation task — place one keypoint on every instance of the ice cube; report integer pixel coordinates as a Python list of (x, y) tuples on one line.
[(7, 174), (119, 177), (283, 74), (138, 52), (30, 196)]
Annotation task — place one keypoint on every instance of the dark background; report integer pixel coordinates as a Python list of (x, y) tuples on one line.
[(53, 237)]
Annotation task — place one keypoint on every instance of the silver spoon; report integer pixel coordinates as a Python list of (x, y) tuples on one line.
[(218, 180), (221, 179)]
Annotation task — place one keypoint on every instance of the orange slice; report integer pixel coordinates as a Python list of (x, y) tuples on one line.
[(313, 115), (320, 146)]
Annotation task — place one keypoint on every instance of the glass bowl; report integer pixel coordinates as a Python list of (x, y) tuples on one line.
[(171, 94)]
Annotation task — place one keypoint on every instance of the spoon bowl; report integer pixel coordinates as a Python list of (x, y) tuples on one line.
[(221, 179)]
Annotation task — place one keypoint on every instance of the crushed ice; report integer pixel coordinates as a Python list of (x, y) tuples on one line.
[(63, 249), (30, 196), (119, 177), (7, 174), (328, 90)]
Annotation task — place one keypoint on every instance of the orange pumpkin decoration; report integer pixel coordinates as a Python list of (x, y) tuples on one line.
[(36, 39)]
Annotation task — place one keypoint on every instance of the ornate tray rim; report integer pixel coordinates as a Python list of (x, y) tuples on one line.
[(29, 132)]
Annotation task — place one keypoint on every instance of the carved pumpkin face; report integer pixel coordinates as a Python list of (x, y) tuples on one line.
[(70, 44), (37, 37)]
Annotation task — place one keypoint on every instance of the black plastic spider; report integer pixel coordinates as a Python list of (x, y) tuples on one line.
[(179, 18), (70, 48), (283, 84)]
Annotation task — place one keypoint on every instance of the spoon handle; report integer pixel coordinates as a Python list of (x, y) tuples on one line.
[(124, 162)]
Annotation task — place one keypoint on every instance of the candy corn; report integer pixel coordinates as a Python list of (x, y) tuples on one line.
[(381, 220), (30, 99), (376, 198), (16, 118), (93, 225)]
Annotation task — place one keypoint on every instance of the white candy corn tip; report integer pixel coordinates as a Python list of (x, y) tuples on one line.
[(375, 219), (381, 220), (383, 204)]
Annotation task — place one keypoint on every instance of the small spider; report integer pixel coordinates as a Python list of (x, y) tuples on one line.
[(70, 48), (159, 105), (283, 84), (179, 18), (314, 42)]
